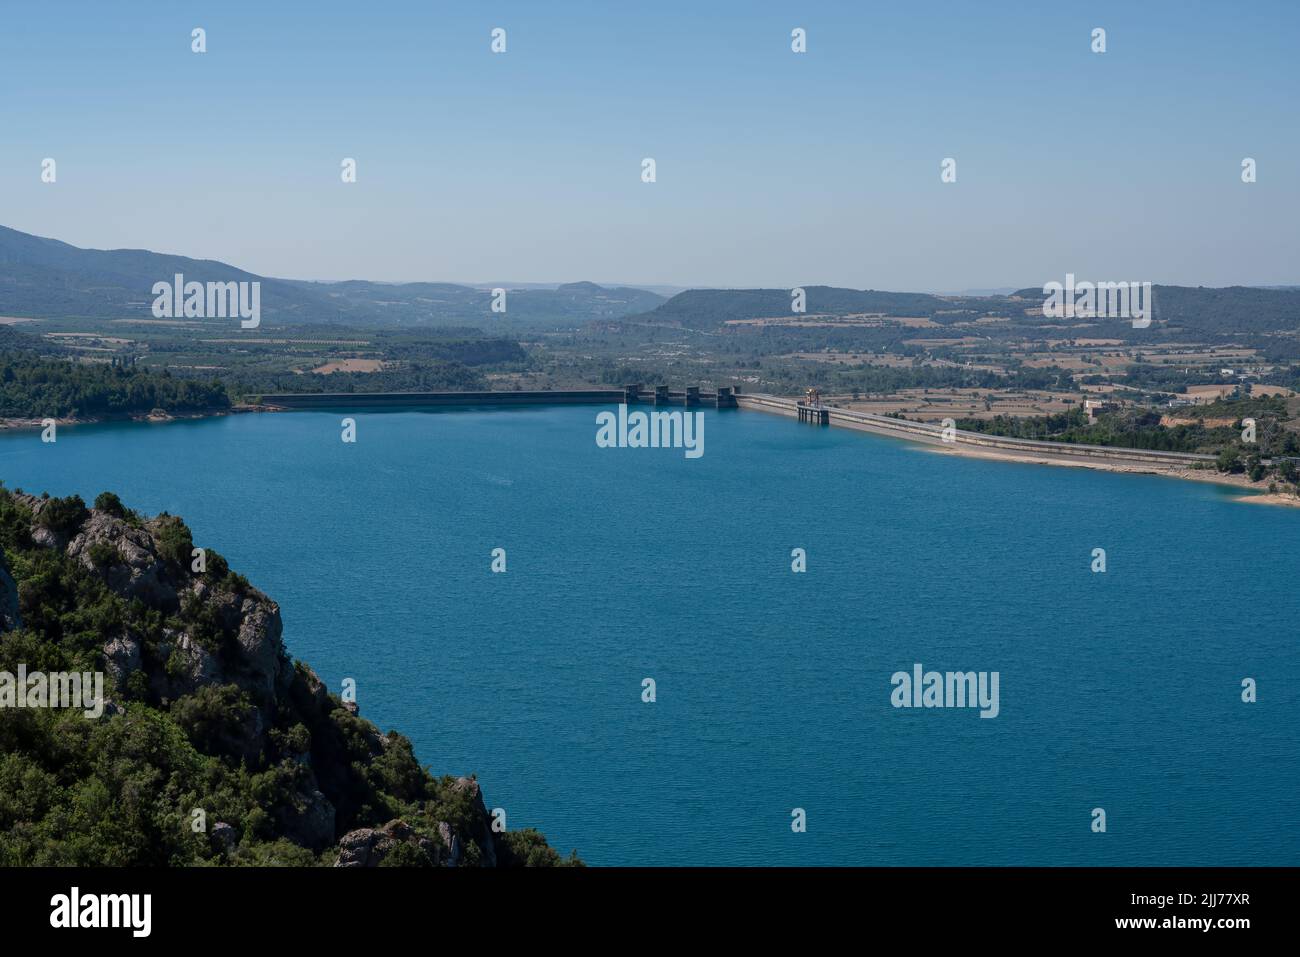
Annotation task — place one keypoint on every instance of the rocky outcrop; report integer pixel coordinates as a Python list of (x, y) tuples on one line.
[(136, 570), (121, 660), (263, 665), (132, 560), (311, 823), (371, 847), (207, 650), (46, 538), (451, 843), (360, 848), (481, 831)]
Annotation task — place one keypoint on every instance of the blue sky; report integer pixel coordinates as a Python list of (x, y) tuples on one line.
[(774, 168)]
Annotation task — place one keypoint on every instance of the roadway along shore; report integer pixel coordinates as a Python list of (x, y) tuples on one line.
[(1195, 468)]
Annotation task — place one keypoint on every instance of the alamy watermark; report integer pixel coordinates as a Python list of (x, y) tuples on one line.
[(75, 909), (59, 689), (651, 430), (1098, 300), (951, 689), (214, 300)]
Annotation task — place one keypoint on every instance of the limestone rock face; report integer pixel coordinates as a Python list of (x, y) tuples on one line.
[(45, 537), (197, 665), (121, 659), (254, 659), (136, 570), (266, 666), (482, 832), (368, 847), (451, 844)]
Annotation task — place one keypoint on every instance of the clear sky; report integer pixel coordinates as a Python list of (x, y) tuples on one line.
[(774, 168)]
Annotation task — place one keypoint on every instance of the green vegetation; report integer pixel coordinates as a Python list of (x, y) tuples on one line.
[(1267, 456), (429, 376), (1128, 430), (195, 721), (33, 387)]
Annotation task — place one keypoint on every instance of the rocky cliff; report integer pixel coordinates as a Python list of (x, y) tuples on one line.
[(213, 745)]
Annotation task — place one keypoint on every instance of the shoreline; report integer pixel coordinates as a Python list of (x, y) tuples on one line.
[(18, 422), (1258, 492), (1141, 461)]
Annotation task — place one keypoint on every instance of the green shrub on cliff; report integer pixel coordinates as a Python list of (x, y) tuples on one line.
[(174, 539), (63, 516), (110, 503)]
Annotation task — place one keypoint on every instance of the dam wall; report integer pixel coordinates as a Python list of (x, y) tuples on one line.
[(631, 394), (379, 400), (934, 434)]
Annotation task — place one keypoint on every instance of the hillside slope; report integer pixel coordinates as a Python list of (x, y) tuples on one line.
[(205, 718)]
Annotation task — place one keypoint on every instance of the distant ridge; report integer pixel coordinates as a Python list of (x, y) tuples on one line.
[(44, 278), (1197, 309), (710, 308)]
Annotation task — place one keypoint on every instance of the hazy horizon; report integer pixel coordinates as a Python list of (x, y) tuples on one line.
[(667, 290), (774, 168)]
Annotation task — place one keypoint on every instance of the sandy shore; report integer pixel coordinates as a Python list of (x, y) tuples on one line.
[(1257, 492)]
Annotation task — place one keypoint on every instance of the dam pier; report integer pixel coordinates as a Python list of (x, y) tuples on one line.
[(692, 396)]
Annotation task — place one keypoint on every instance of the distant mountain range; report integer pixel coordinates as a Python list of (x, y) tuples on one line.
[(46, 278)]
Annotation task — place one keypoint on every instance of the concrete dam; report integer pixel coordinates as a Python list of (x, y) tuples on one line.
[(722, 398)]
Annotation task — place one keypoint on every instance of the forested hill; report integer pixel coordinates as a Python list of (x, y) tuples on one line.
[(208, 745), (1232, 309)]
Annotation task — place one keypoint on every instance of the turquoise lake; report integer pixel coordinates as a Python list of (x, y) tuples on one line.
[(1120, 690)]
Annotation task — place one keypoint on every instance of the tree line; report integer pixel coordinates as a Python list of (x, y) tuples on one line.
[(33, 387)]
